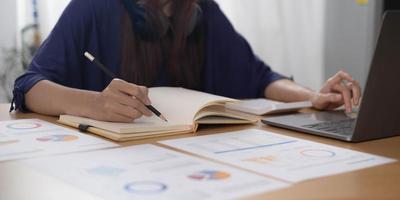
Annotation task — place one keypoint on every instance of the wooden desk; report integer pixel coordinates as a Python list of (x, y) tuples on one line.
[(383, 182)]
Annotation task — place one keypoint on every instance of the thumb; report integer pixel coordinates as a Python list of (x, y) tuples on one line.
[(325, 100), (332, 97), (145, 91)]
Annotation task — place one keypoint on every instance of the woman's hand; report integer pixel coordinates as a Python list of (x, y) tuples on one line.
[(119, 102), (338, 90)]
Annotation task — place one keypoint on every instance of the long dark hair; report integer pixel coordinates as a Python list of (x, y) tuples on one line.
[(182, 55)]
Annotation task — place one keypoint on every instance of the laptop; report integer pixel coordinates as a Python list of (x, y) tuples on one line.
[(379, 113)]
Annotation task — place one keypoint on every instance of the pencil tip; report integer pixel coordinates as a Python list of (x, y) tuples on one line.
[(163, 118)]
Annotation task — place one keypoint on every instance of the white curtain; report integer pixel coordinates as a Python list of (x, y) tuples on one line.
[(49, 11), (288, 35), (17, 15)]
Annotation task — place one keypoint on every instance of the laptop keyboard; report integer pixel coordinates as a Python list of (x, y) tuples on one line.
[(342, 127)]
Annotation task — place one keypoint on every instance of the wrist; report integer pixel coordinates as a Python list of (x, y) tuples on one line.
[(82, 103), (311, 95)]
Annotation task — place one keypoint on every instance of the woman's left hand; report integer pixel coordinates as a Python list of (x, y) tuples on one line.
[(338, 90)]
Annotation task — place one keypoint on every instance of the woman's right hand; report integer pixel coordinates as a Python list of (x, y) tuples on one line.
[(120, 102)]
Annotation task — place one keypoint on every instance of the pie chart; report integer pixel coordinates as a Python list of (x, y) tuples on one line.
[(145, 187), (57, 138), (24, 125), (206, 175), (318, 153)]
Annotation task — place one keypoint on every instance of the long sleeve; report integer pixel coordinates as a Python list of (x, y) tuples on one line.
[(232, 69), (82, 27)]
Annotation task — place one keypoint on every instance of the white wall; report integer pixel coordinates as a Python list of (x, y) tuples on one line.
[(351, 32), (7, 33), (15, 15), (7, 22), (49, 12)]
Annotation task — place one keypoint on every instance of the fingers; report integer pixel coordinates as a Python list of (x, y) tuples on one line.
[(126, 111), (346, 94), (116, 112), (139, 92), (327, 101), (114, 117), (339, 77), (348, 88), (334, 98), (132, 102), (356, 91), (144, 90), (123, 102)]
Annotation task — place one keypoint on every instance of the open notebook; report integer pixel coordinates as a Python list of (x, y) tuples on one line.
[(185, 110)]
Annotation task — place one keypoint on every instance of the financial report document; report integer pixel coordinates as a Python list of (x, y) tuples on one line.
[(29, 138), (152, 172), (275, 155)]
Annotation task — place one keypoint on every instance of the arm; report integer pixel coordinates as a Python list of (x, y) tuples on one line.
[(236, 72), (338, 90), (58, 67), (119, 102), (56, 61), (58, 99), (288, 91)]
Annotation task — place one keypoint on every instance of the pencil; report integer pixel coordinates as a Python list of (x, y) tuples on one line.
[(112, 75)]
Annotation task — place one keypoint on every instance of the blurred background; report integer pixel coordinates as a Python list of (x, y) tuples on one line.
[(307, 39)]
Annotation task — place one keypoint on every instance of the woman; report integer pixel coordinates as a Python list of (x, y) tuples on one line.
[(185, 43)]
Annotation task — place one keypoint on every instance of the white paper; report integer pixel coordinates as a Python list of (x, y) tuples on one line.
[(29, 138), (266, 106), (151, 172), (276, 155)]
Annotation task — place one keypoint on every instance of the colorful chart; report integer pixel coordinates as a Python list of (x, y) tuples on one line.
[(262, 159), (209, 175), (145, 187), (24, 125), (4, 143), (58, 138), (318, 153)]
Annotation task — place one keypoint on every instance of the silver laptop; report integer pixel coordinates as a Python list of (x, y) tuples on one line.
[(379, 113)]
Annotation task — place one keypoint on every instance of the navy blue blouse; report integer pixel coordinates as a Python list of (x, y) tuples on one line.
[(231, 69)]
